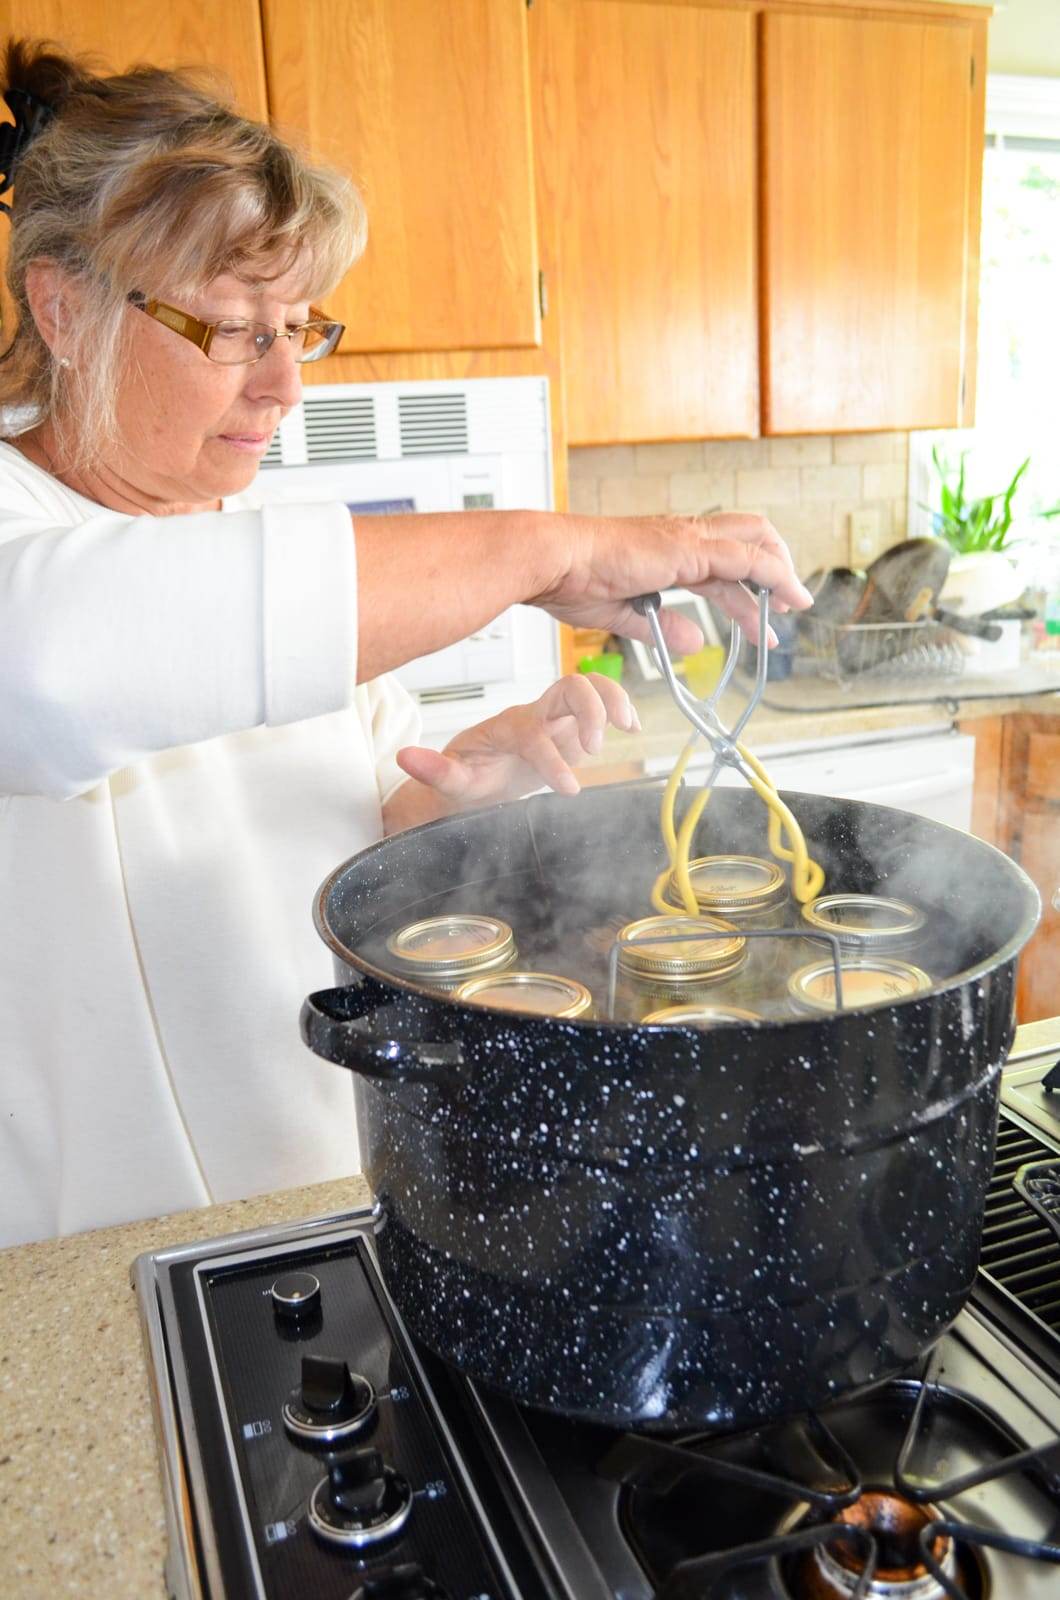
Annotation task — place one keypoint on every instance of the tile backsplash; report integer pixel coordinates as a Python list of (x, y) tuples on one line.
[(807, 486)]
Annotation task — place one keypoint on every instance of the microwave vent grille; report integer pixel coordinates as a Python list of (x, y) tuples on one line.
[(341, 429), (454, 692), (433, 424)]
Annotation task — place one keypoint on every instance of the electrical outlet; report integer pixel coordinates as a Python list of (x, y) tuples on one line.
[(864, 536)]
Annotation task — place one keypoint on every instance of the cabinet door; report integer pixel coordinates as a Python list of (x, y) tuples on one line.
[(654, 118), (872, 141), (181, 33), (426, 105), (1032, 835), (123, 33)]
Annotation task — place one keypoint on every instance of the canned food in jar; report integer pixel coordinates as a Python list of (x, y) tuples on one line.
[(652, 948), (701, 1016), (752, 893), (652, 974), (867, 981), (542, 992), (742, 888), (865, 922), (445, 951)]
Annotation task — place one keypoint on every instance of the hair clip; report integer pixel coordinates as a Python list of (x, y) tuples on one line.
[(31, 118)]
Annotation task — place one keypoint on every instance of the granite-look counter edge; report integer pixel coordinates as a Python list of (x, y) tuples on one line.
[(80, 1492), (663, 729)]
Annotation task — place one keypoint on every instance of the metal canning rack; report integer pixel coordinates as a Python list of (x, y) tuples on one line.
[(827, 939), (844, 651)]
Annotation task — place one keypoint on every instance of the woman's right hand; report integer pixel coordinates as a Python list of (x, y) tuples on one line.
[(604, 563)]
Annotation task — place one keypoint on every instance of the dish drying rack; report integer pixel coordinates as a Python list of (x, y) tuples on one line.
[(875, 650)]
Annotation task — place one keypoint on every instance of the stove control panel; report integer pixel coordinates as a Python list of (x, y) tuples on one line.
[(327, 1446)]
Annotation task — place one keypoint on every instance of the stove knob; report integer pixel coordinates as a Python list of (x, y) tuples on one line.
[(360, 1502), (407, 1582), (330, 1403), (296, 1296)]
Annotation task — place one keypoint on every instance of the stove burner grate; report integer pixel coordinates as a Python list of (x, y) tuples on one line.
[(660, 1467)]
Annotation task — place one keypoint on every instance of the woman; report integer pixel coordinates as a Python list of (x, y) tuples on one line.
[(195, 722)]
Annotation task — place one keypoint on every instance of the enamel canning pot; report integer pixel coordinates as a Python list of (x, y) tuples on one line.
[(652, 1225)]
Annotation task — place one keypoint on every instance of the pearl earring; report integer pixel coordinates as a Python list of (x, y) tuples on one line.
[(64, 361)]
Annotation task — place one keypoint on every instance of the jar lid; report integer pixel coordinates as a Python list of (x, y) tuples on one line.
[(698, 956), (864, 921), (451, 945), (734, 883), (543, 992), (701, 1016), (873, 980)]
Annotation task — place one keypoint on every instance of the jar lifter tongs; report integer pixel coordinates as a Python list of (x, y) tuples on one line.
[(703, 714), (724, 742)]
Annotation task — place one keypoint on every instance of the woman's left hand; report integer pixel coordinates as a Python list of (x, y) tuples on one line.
[(518, 751)]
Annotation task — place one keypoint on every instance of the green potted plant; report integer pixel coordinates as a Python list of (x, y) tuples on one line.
[(983, 574), (972, 527)]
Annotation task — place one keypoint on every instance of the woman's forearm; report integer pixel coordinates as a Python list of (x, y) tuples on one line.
[(426, 580)]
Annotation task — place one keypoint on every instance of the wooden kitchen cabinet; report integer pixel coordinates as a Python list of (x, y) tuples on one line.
[(427, 106), (652, 126), (872, 144), (1031, 835), (766, 198), (124, 33), (1016, 806)]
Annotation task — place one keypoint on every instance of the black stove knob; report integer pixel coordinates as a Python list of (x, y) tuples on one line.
[(407, 1582), (331, 1402), (296, 1296), (360, 1502)]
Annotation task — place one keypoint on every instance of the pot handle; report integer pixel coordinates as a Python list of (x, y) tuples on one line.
[(337, 1025)]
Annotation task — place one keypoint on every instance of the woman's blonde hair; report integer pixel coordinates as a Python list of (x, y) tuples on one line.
[(148, 182)]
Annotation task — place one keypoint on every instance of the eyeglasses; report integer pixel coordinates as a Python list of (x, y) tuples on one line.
[(234, 342)]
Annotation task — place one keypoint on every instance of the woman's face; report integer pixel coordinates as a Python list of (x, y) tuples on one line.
[(193, 430)]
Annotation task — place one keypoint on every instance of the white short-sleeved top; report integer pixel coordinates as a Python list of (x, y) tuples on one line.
[(184, 756)]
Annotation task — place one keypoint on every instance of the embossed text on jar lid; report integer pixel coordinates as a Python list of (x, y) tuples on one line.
[(731, 883), (712, 946), (450, 945), (701, 1016), (543, 992), (872, 980), (864, 921)]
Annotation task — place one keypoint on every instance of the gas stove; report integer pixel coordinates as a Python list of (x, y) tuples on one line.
[(310, 1447)]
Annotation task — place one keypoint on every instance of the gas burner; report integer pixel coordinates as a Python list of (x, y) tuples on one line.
[(894, 1525), (874, 1498)]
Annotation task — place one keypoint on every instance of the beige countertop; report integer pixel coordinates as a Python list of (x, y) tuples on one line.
[(778, 723), (80, 1493)]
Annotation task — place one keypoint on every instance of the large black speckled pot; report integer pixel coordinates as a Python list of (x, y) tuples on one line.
[(652, 1225)]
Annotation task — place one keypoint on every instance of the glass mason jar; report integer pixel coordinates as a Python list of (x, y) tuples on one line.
[(865, 924), (751, 892), (867, 980), (701, 1016), (653, 974), (540, 992), (445, 951)]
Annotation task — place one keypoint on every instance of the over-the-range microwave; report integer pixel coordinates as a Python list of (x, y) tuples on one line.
[(478, 444)]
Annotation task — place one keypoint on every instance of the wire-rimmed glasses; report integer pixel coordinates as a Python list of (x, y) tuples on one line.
[(236, 341)]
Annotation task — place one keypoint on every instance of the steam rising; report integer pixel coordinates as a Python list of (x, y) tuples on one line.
[(568, 874)]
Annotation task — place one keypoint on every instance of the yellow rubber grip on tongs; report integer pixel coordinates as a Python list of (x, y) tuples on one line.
[(807, 877)]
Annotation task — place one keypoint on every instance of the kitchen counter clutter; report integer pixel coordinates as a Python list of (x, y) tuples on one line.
[(800, 710), (81, 1507)]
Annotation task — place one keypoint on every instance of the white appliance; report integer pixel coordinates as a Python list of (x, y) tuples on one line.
[(477, 444), (931, 774)]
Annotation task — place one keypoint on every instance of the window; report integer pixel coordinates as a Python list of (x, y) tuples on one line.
[(1018, 379)]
